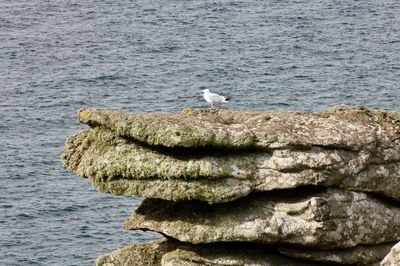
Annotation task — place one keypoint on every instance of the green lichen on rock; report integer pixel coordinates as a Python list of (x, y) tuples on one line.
[(388, 122), (212, 191), (229, 257), (174, 253), (111, 157), (234, 129), (121, 166), (240, 161), (165, 129), (328, 219), (149, 254)]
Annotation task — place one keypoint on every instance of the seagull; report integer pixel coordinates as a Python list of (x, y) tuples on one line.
[(214, 98)]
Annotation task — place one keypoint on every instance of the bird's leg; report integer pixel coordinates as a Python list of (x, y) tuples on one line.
[(212, 105)]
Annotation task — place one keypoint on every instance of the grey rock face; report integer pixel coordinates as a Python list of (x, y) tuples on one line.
[(359, 255), (120, 166), (234, 129), (228, 257), (328, 219), (393, 258), (249, 188), (149, 254), (173, 253)]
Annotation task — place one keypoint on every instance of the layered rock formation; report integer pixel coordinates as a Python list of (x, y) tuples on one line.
[(173, 253), (328, 219), (297, 188)]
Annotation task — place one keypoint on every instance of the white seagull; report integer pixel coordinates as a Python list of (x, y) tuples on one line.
[(214, 98)]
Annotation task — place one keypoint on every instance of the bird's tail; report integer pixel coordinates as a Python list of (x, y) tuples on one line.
[(226, 100)]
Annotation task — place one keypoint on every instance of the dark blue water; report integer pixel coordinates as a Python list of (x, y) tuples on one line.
[(56, 56)]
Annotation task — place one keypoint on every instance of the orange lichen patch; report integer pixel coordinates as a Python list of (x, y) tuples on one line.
[(83, 113)]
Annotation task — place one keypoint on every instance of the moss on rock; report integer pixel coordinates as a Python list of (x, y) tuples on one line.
[(121, 166), (237, 129), (149, 254), (174, 253)]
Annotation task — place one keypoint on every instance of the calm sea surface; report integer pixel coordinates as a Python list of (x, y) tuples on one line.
[(56, 56)]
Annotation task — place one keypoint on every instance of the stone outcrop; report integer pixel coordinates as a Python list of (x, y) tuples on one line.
[(346, 128), (297, 188), (139, 254), (359, 155), (173, 253), (328, 219)]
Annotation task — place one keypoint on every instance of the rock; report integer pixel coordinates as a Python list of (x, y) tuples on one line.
[(149, 254), (266, 174), (393, 258), (359, 255), (239, 129), (173, 253), (121, 166), (229, 257), (325, 219)]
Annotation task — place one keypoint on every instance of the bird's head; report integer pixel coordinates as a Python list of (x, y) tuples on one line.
[(206, 90)]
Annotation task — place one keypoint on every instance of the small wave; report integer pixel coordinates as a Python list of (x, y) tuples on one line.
[(24, 216), (149, 10), (107, 77)]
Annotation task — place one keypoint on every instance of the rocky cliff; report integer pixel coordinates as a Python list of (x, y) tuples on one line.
[(248, 188)]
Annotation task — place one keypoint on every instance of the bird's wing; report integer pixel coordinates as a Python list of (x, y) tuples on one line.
[(215, 97)]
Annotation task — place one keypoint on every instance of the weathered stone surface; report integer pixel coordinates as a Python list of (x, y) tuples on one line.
[(327, 219), (121, 166), (149, 254), (359, 255), (173, 253), (238, 129), (229, 257), (343, 127), (393, 258), (219, 156)]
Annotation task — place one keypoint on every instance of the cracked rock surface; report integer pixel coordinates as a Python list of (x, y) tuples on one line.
[(230, 187), (331, 218), (364, 155), (234, 129), (173, 253)]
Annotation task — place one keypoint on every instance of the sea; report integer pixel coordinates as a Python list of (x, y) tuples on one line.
[(141, 56)]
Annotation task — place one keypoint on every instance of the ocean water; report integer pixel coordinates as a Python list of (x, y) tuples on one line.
[(57, 56)]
